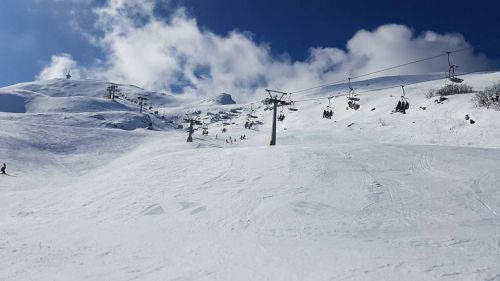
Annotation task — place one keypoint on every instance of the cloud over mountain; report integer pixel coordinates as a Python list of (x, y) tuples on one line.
[(175, 54)]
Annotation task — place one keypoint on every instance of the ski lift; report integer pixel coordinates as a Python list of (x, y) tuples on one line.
[(188, 119), (281, 117), (252, 112), (291, 104), (205, 129), (249, 124), (403, 103), (328, 112), (352, 98), (451, 71)]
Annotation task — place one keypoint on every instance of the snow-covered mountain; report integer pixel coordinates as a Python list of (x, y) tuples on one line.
[(221, 99), (92, 194)]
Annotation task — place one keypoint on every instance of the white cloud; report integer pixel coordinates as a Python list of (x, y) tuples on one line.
[(393, 44), (176, 54), (58, 68)]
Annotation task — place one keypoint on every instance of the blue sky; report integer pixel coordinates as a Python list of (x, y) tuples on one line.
[(293, 26), (31, 33), (277, 37)]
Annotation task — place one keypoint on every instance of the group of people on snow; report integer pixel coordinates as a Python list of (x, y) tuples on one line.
[(231, 140)]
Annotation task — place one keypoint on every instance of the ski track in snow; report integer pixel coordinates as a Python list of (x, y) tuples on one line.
[(415, 197)]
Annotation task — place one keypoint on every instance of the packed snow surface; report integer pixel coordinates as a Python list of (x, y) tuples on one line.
[(91, 194)]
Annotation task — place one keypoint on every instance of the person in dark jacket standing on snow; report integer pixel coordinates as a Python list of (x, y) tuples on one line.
[(3, 168)]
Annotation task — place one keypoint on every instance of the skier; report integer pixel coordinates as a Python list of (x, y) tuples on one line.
[(3, 168)]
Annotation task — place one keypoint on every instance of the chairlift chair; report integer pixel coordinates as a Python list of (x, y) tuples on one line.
[(248, 124), (352, 98), (205, 129), (403, 103), (291, 104), (252, 112), (281, 117), (451, 71), (328, 112)]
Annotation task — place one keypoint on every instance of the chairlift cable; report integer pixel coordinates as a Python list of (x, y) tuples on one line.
[(388, 87), (390, 68)]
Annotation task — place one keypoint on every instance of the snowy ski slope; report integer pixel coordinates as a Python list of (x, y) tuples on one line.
[(368, 195)]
